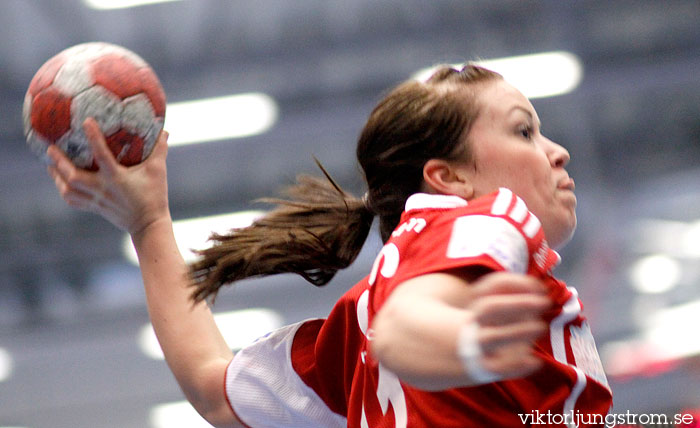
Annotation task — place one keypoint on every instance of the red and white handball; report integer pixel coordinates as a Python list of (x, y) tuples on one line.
[(100, 80)]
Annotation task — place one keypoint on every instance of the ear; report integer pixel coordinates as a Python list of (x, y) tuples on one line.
[(447, 178)]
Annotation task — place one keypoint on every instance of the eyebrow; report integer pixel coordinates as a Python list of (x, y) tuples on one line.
[(527, 111)]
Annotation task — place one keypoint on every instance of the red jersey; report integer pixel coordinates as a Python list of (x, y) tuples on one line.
[(319, 373)]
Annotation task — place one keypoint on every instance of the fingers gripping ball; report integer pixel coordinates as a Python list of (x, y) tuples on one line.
[(101, 80)]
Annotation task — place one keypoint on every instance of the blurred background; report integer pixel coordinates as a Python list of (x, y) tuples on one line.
[(76, 349)]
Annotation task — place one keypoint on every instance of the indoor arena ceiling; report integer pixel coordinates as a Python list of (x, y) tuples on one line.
[(632, 126)]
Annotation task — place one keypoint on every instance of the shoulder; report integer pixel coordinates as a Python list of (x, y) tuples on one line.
[(439, 233), (498, 225)]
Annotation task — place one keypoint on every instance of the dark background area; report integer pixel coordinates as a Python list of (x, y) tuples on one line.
[(71, 305)]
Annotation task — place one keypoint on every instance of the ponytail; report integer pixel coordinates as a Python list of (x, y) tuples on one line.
[(321, 228), (318, 231)]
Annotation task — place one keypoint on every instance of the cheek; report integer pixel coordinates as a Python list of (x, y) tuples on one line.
[(528, 178), (532, 183), (536, 174), (523, 170), (493, 176)]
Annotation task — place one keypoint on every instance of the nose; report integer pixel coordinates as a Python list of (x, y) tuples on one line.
[(558, 156)]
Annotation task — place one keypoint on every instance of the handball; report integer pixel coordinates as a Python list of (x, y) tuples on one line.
[(107, 82)]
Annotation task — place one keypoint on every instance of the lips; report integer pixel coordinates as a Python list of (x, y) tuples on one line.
[(566, 184)]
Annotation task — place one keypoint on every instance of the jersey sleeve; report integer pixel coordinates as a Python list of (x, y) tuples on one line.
[(264, 390)]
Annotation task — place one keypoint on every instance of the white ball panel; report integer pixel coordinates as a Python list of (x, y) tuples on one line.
[(75, 145), (99, 103), (27, 114), (137, 115), (92, 50), (149, 140), (37, 144), (73, 77), (88, 51), (84, 50)]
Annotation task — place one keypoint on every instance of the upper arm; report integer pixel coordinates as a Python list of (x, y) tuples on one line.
[(435, 295), (414, 332), (452, 288)]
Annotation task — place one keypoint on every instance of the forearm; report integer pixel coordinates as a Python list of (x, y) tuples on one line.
[(191, 342), (420, 345), (440, 331)]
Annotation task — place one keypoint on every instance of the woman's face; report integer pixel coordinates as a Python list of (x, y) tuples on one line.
[(508, 150)]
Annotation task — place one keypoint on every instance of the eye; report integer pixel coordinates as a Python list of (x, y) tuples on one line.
[(525, 131)]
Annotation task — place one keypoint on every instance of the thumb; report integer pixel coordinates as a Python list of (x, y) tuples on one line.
[(160, 150), (103, 156)]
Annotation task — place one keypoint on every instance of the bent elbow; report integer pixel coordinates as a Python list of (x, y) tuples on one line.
[(385, 343), (206, 394), (222, 418)]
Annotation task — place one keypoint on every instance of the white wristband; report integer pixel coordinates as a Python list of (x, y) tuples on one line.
[(469, 352)]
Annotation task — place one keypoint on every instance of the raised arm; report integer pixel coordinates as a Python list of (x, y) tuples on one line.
[(135, 200), (442, 331)]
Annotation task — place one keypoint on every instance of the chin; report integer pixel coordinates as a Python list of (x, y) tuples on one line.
[(559, 245), (559, 240)]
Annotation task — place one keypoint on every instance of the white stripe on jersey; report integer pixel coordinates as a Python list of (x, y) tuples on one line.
[(419, 201), (519, 211), (363, 421), (363, 312), (571, 309), (532, 226), (570, 403), (502, 202)]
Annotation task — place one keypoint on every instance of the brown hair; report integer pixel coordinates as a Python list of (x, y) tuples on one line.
[(321, 228)]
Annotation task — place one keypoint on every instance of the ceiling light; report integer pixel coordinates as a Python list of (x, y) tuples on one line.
[(668, 330), (239, 329), (658, 236), (220, 118), (540, 75), (690, 240), (536, 76), (193, 233), (662, 344), (120, 4), (655, 274), (5, 365), (179, 414), (635, 357)]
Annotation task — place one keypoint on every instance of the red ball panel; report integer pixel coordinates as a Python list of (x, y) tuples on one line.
[(153, 89), (134, 147), (51, 115), (117, 75), (45, 75)]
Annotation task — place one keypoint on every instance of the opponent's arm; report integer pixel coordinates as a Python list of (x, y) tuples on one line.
[(416, 331), (135, 200)]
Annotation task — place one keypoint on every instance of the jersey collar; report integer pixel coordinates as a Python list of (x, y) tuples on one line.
[(419, 201)]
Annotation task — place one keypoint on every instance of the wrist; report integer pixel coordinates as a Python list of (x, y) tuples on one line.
[(471, 355), (158, 224)]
